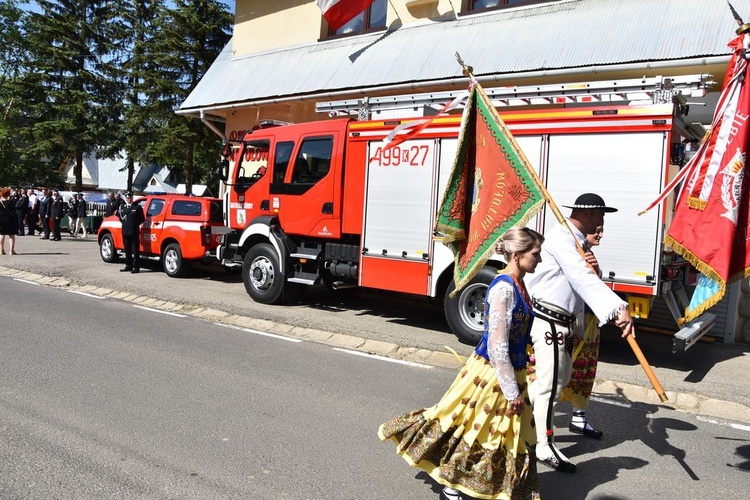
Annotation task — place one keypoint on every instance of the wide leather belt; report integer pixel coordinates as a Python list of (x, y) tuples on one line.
[(551, 312)]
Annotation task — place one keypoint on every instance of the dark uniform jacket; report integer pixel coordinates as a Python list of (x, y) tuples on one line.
[(112, 207), (81, 208), (44, 207), (57, 210), (131, 217)]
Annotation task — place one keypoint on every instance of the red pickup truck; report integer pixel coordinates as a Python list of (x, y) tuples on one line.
[(178, 230)]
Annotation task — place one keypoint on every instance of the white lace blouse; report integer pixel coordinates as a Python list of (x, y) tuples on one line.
[(501, 299)]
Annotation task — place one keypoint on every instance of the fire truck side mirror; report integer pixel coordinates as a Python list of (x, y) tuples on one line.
[(224, 169)]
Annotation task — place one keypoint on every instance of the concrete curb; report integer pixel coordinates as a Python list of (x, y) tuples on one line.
[(694, 403)]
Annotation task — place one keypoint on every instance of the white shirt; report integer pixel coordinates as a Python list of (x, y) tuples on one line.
[(564, 279)]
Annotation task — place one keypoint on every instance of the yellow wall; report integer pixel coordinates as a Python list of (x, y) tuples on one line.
[(240, 119), (262, 25)]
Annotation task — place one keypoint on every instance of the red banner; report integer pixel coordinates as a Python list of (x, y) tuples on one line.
[(710, 225)]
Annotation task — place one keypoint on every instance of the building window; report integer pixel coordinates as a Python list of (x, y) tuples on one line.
[(500, 4), (372, 18)]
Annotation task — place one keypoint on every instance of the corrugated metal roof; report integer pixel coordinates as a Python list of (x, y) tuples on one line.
[(112, 175), (554, 36)]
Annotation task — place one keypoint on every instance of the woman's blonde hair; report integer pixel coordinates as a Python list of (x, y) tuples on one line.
[(518, 240)]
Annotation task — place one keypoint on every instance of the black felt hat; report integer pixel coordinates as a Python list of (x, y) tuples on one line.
[(590, 201)]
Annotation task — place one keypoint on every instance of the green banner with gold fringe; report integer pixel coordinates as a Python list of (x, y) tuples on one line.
[(489, 191)]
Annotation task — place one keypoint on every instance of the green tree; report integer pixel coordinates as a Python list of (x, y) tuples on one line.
[(189, 37), (141, 114), (11, 56), (72, 90)]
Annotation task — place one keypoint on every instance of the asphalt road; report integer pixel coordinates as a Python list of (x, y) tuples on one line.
[(101, 398), (381, 316), (715, 371)]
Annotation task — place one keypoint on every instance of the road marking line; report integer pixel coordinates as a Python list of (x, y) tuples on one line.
[(739, 427), (161, 312), (87, 294), (26, 281), (258, 332), (611, 402), (383, 358)]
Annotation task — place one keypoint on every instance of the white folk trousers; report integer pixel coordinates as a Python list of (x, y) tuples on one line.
[(540, 390)]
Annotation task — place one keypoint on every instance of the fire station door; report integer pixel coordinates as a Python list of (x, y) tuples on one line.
[(399, 206)]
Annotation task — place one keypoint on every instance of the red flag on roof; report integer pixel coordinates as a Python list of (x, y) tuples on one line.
[(710, 226), (339, 12)]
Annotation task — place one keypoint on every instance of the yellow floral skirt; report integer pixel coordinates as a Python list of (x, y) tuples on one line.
[(583, 371), (467, 441)]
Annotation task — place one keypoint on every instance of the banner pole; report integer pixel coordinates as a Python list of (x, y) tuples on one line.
[(631, 339)]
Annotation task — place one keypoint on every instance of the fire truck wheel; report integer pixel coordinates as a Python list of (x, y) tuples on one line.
[(465, 312), (174, 266), (107, 249), (261, 274)]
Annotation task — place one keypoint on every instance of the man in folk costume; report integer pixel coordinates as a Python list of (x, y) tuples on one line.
[(585, 357), (562, 284)]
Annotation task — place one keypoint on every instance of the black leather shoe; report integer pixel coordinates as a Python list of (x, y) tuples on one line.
[(561, 466), (592, 433), (135, 271), (126, 270)]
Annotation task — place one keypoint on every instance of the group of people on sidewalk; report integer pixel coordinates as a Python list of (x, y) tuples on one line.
[(487, 433), (26, 213)]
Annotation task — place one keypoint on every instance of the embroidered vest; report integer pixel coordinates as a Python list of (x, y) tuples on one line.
[(520, 327)]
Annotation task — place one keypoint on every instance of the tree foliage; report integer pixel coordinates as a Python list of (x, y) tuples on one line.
[(71, 91), (105, 77), (191, 36), (139, 69)]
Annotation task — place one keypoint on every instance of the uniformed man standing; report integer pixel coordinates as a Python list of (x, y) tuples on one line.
[(56, 214), (131, 215)]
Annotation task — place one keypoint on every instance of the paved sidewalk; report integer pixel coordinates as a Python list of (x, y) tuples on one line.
[(710, 379)]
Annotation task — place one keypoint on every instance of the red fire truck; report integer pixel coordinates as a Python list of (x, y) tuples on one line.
[(326, 202)]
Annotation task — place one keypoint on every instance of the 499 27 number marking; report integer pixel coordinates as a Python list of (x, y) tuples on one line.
[(412, 156)]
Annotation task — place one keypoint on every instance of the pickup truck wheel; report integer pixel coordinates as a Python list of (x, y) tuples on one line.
[(261, 274), (172, 261), (465, 312), (107, 249)]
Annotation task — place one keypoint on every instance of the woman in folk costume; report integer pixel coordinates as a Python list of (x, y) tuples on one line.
[(479, 438)]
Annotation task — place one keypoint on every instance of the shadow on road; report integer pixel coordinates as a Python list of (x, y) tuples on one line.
[(695, 362)]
